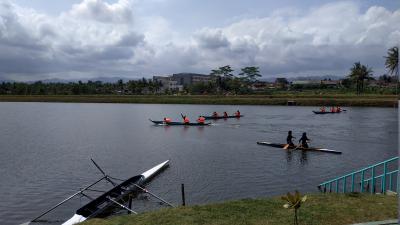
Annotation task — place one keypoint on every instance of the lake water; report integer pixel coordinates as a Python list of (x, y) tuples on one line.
[(45, 151)]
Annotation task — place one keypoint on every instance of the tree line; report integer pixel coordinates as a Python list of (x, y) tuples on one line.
[(223, 82), (142, 86)]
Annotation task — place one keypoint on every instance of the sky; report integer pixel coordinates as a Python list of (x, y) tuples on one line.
[(84, 39)]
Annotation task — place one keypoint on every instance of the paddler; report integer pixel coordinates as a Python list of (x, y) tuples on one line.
[(338, 109), (322, 109), (186, 120), (289, 140), (304, 140), (167, 120), (215, 114), (237, 113), (225, 114), (201, 120)]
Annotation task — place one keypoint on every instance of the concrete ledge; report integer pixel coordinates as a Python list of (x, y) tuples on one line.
[(385, 222)]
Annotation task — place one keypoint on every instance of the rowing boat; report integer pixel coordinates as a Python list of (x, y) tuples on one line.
[(220, 117), (104, 205), (299, 148), (327, 112), (178, 123)]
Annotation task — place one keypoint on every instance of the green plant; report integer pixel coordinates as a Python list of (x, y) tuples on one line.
[(294, 202)]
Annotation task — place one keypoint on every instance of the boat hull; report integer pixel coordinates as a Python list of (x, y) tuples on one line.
[(101, 206), (220, 117), (319, 112), (276, 145), (178, 123)]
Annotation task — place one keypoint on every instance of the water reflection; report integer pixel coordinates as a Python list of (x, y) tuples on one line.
[(303, 159)]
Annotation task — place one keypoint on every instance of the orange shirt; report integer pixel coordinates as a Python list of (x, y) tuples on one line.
[(201, 119), (186, 120)]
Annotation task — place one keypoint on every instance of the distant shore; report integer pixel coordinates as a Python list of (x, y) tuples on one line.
[(276, 99)]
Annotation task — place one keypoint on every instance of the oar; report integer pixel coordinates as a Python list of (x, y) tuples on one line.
[(67, 199), (152, 194), (122, 206), (105, 175)]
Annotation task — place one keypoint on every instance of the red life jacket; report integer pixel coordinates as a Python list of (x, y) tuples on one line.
[(225, 114), (167, 120), (201, 119), (186, 120)]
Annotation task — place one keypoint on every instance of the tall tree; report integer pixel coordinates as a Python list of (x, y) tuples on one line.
[(250, 73), (392, 61), (222, 74), (358, 74)]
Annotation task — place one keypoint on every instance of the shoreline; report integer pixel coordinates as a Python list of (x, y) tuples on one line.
[(299, 100), (329, 209)]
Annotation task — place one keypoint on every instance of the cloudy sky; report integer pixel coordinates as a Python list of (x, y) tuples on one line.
[(83, 39)]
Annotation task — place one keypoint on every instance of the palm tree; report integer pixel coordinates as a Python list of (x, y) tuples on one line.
[(294, 201), (392, 61), (358, 74)]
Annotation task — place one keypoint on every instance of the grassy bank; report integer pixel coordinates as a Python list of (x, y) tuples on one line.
[(277, 99), (328, 209)]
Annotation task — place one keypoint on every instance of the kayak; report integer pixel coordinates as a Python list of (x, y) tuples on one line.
[(319, 112), (220, 117), (300, 148), (178, 123)]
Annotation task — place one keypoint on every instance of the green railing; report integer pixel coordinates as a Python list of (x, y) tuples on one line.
[(381, 176)]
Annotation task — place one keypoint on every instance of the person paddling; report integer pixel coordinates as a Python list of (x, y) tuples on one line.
[(167, 120), (215, 114), (237, 113), (289, 140), (225, 114), (201, 120), (186, 120), (322, 109), (304, 140)]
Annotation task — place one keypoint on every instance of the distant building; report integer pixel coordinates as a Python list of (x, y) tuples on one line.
[(176, 82), (187, 79), (168, 83)]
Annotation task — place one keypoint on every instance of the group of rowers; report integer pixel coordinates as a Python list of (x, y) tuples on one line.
[(333, 109), (225, 114), (201, 119), (289, 140)]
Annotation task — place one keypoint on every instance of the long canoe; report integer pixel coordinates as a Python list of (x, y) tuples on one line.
[(104, 205), (300, 148), (178, 123), (220, 117), (327, 112)]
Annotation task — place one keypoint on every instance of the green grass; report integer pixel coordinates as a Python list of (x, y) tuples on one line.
[(327, 209), (302, 99)]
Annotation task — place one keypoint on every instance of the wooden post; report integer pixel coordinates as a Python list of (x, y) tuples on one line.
[(183, 194), (130, 203)]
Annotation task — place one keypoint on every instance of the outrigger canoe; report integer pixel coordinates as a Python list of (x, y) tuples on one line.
[(300, 148), (220, 117), (104, 205), (178, 123), (327, 112)]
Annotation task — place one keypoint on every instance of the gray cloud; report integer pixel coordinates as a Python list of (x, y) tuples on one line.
[(95, 38)]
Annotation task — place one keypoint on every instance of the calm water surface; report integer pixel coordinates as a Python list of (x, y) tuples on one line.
[(45, 151)]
